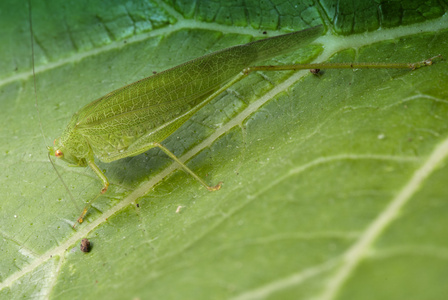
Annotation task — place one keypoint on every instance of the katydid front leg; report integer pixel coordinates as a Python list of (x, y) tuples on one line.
[(105, 182)]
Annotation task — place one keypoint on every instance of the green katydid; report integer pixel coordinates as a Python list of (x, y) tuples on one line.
[(141, 115)]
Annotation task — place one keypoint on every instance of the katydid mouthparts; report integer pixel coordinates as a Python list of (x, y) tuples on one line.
[(140, 116)]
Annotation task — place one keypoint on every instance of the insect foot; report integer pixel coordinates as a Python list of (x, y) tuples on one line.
[(425, 63), (215, 188)]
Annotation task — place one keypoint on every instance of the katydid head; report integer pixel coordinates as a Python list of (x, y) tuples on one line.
[(62, 152)]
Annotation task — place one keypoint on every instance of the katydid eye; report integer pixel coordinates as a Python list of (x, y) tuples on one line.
[(58, 153)]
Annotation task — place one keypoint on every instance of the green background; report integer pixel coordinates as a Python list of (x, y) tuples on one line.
[(334, 186)]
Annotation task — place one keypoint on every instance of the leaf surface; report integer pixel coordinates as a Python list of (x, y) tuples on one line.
[(334, 186)]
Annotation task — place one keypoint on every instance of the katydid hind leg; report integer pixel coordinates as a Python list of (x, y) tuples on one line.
[(358, 65), (247, 71)]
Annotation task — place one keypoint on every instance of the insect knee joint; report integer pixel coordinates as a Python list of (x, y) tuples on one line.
[(246, 71), (104, 189)]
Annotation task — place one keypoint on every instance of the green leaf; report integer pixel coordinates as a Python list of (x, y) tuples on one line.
[(334, 185)]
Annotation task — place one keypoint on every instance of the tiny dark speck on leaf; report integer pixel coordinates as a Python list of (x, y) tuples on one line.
[(138, 205), (85, 245)]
